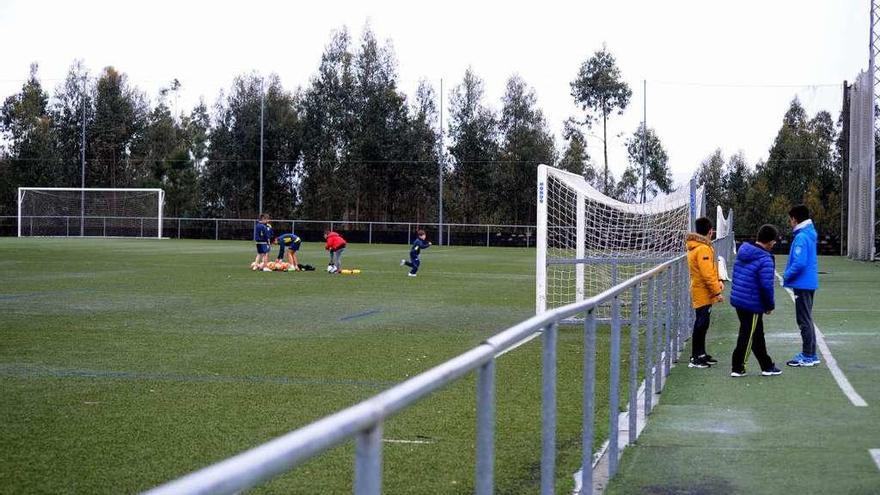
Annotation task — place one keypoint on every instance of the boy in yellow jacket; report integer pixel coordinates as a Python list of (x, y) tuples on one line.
[(706, 288)]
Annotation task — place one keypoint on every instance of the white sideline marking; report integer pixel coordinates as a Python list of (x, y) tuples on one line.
[(836, 372), (875, 453)]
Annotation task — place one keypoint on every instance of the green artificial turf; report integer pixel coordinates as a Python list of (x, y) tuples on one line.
[(794, 433), (128, 363)]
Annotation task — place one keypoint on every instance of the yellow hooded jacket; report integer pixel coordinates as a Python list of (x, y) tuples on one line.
[(705, 286)]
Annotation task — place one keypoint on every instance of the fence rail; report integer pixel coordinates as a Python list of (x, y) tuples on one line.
[(666, 319), (459, 234)]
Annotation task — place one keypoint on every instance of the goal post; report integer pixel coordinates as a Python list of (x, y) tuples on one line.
[(90, 212), (587, 242)]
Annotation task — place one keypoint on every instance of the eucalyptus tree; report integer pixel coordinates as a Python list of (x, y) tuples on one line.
[(600, 90), (473, 131), (576, 158), (648, 171), (525, 143), (26, 126)]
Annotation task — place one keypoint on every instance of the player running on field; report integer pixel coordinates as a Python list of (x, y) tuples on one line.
[(414, 251)]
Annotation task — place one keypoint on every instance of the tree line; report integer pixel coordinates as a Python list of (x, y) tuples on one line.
[(350, 145), (806, 164)]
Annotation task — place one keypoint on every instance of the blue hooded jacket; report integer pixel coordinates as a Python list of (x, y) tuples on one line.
[(753, 273), (802, 269)]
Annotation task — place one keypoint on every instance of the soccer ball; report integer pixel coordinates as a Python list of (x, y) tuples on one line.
[(331, 269)]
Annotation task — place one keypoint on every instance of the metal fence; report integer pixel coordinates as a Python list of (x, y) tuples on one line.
[(660, 329), (310, 230)]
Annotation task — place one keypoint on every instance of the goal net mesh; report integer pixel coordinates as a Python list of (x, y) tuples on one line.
[(90, 212), (610, 242)]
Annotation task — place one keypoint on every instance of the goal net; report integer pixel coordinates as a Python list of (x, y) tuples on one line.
[(78, 212), (588, 242)]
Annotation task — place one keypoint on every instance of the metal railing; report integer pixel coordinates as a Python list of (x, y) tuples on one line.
[(665, 320)]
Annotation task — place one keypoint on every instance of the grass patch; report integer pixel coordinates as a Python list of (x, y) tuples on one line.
[(127, 363)]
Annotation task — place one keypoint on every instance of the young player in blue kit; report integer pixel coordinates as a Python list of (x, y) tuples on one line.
[(263, 238), (289, 244), (414, 251)]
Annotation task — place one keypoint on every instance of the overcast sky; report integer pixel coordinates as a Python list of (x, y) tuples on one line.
[(719, 74)]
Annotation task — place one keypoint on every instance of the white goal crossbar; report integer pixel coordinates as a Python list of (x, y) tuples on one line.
[(90, 212)]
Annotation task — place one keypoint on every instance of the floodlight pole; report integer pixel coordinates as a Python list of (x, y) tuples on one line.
[(262, 105), (82, 211), (440, 167), (644, 137)]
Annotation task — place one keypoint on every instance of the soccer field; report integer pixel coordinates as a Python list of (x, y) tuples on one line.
[(127, 363)]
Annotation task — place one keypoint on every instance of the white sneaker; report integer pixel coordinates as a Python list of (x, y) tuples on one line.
[(266, 270), (402, 262), (411, 275)]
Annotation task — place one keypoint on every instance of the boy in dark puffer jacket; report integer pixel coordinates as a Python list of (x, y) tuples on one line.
[(752, 296)]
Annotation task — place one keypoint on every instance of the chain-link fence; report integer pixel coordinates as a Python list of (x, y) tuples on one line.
[(861, 201)]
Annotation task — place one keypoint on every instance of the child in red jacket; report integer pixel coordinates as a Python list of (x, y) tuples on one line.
[(336, 245)]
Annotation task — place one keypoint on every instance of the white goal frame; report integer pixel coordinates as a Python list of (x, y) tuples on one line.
[(22, 191), (689, 199)]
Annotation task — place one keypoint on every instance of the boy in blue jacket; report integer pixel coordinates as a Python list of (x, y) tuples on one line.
[(802, 276), (752, 296), (415, 251)]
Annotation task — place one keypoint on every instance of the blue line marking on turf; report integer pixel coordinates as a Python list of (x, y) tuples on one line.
[(9, 297), (359, 315), (37, 371)]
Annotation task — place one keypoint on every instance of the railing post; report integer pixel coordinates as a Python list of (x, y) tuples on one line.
[(104, 219), (548, 412), (216, 229), (676, 292), (487, 236), (178, 228), (649, 349), (68, 226), (142, 226), (683, 304), (371, 232), (485, 429), (589, 395), (634, 365), (408, 232), (368, 462), (660, 327), (614, 388), (668, 313)]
